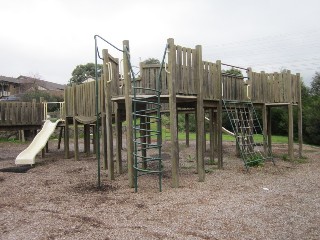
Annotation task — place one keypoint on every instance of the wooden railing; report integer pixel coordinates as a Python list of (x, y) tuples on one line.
[(21, 113), (274, 87)]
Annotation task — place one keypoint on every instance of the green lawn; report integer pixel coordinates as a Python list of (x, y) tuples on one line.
[(225, 137)]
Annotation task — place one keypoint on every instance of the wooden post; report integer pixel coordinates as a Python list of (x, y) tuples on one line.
[(211, 130), (299, 116), (204, 131), (200, 114), (215, 130), (86, 131), (290, 116), (128, 101), (173, 113), (265, 127), (76, 137), (290, 132), (187, 125), (249, 84), (60, 136), (34, 109), (219, 117), (269, 130), (94, 142), (118, 139), (103, 121), (75, 123), (67, 99), (108, 110)]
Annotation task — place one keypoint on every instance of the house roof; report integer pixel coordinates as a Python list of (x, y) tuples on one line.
[(9, 79), (44, 84)]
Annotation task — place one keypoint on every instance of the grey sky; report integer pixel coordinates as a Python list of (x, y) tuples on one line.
[(50, 37)]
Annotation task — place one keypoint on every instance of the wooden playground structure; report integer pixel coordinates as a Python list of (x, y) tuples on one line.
[(184, 84)]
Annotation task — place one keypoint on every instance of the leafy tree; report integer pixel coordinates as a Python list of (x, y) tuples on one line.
[(311, 111), (315, 84), (151, 61), (233, 71), (83, 72), (36, 94)]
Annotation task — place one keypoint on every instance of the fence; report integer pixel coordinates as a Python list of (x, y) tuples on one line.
[(21, 113)]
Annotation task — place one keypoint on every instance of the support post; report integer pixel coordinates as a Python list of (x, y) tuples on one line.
[(67, 98), (187, 125), (108, 111), (76, 138), (118, 139), (269, 130), (299, 116), (219, 117), (128, 101), (173, 113), (290, 116), (75, 123), (211, 130), (290, 132), (86, 128), (265, 128), (200, 114)]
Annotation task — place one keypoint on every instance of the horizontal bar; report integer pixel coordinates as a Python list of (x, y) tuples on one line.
[(234, 66)]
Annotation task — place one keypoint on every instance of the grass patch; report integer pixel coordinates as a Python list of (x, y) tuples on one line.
[(285, 157), (255, 161), (5, 140)]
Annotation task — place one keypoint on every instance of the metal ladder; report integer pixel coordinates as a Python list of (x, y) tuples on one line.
[(250, 140), (147, 134)]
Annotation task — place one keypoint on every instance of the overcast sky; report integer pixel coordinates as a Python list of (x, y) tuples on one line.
[(49, 38)]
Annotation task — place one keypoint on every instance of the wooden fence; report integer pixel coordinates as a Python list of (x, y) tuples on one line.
[(20, 113), (80, 100), (274, 87)]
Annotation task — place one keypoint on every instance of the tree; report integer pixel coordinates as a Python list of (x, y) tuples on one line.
[(151, 61), (233, 71), (315, 84), (83, 72), (311, 111)]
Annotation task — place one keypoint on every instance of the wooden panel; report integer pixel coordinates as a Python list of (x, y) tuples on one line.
[(276, 86), (206, 80), (190, 72)]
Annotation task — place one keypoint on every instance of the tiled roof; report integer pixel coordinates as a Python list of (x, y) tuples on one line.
[(45, 84), (9, 79)]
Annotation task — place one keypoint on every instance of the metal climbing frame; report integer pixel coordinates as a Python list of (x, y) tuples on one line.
[(147, 127), (250, 139)]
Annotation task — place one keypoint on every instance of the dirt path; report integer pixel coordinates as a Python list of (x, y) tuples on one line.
[(58, 199)]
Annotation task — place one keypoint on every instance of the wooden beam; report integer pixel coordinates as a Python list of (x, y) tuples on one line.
[(200, 114), (108, 111), (118, 139), (211, 130), (128, 101), (290, 115), (265, 127), (219, 117), (269, 130), (187, 125), (300, 136), (173, 113)]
